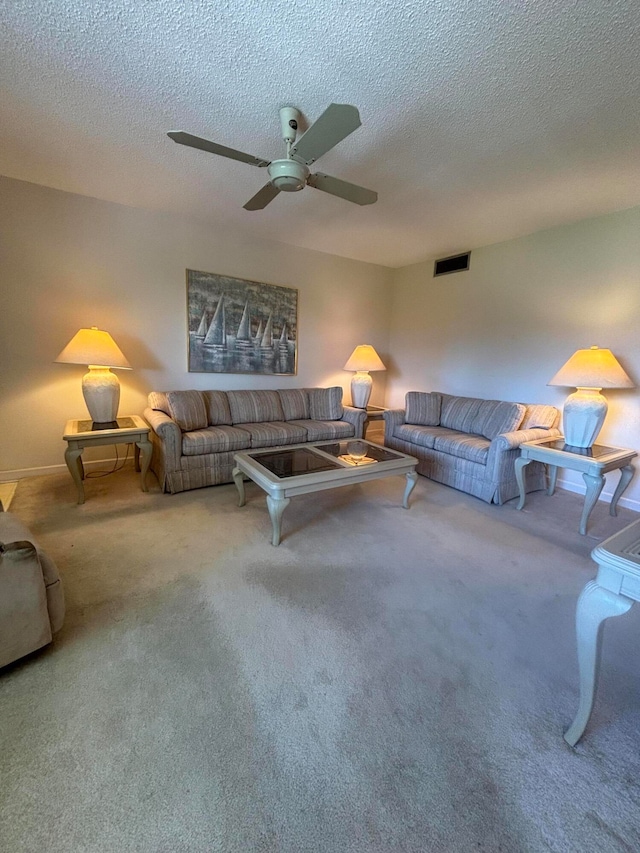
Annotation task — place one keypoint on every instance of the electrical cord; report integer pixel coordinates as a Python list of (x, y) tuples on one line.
[(117, 465)]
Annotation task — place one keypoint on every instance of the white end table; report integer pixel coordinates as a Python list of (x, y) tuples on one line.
[(79, 434), (612, 593), (593, 462)]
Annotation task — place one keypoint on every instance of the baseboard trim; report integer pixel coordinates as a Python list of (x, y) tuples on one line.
[(605, 496), (22, 473)]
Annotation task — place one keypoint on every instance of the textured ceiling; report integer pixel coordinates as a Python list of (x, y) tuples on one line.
[(481, 121)]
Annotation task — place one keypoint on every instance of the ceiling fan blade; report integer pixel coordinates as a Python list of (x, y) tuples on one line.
[(334, 125), (213, 148), (262, 198), (343, 189)]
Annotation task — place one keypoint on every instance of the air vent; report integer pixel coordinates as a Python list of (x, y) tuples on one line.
[(456, 263)]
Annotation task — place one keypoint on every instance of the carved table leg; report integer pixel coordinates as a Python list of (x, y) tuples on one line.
[(594, 482), (239, 481), (276, 507), (520, 465), (144, 448), (553, 479), (594, 606), (626, 473), (412, 479), (76, 469)]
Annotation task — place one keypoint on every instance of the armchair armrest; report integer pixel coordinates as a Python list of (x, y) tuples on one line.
[(356, 417), (168, 434)]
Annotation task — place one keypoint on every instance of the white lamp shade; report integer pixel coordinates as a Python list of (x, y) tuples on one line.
[(592, 368), (364, 357), (93, 346)]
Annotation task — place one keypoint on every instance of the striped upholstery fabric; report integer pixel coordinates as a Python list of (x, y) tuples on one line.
[(295, 404), (423, 409), (421, 435), (187, 409), (215, 439), (158, 400), (539, 415), (217, 405), (325, 430), (458, 412), (494, 418), (275, 433), (464, 446), (255, 407), (325, 404)]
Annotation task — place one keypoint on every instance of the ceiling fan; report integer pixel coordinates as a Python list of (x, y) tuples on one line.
[(292, 174)]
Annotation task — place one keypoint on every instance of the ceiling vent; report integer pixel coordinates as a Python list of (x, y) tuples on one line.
[(455, 263)]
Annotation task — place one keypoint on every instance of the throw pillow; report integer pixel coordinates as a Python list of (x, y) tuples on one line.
[(187, 409), (325, 404), (422, 409), (541, 416)]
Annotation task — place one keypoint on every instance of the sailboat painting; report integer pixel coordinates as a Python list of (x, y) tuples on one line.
[(241, 326)]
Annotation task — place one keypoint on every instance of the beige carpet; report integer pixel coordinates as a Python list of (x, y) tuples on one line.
[(385, 680)]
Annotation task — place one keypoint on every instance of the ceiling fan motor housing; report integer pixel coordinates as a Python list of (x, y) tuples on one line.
[(288, 176)]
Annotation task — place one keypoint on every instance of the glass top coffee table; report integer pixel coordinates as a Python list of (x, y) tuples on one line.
[(284, 472)]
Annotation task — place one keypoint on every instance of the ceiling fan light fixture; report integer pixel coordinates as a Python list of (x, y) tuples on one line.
[(288, 176)]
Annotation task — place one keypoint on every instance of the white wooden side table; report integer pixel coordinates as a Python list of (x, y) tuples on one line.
[(592, 462), (79, 434), (616, 587)]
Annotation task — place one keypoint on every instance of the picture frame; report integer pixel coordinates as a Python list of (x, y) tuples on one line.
[(236, 325)]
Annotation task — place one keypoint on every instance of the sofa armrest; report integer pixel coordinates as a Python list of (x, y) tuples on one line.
[(505, 448), (168, 434), (392, 419), (356, 417)]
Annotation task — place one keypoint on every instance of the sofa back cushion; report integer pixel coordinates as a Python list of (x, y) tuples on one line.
[(458, 412), (325, 404), (295, 404), (254, 407), (188, 410), (422, 409), (217, 405), (495, 417), (540, 415)]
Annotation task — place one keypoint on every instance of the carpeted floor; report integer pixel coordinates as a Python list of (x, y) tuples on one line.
[(385, 680)]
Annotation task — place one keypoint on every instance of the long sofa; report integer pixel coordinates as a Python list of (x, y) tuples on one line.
[(196, 433), (470, 443)]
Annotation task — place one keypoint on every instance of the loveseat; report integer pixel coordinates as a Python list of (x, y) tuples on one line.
[(31, 596), (195, 434), (469, 443)]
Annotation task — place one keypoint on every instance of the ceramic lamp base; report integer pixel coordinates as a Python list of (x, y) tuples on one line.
[(582, 417), (361, 389), (101, 391)]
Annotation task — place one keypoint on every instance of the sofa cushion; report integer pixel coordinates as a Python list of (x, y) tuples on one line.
[(539, 415), (495, 417), (325, 404), (217, 406), (188, 410), (325, 430), (474, 448), (295, 404), (253, 407), (214, 439), (274, 433), (158, 400), (422, 408), (458, 412)]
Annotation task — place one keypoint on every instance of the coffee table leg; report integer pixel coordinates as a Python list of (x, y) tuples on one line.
[(519, 466), (276, 507), (626, 473), (239, 481), (412, 479), (594, 482)]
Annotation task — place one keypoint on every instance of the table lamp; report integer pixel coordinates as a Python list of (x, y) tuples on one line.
[(363, 359), (588, 370), (100, 387)]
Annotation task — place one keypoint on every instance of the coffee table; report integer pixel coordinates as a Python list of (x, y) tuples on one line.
[(298, 469)]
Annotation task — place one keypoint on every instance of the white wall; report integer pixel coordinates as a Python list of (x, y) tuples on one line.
[(68, 262), (502, 329)]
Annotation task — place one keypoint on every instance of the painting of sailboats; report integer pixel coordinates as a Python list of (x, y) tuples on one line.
[(241, 326)]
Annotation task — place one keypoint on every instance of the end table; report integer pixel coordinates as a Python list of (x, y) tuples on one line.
[(593, 463), (84, 433)]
